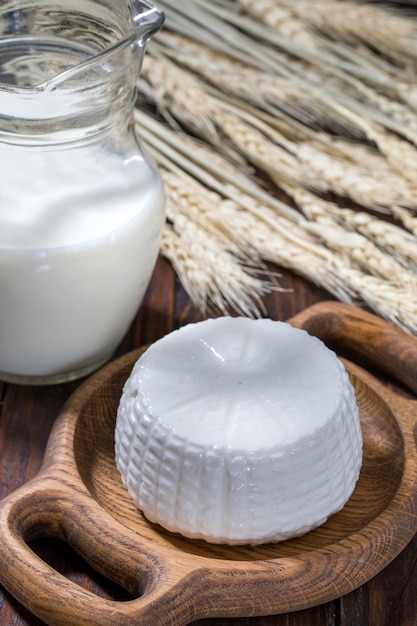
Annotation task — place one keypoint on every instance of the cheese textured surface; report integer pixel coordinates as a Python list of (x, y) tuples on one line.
[(238, 431)]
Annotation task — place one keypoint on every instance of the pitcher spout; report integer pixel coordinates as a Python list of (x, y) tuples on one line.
[(72, 70), (147, 18)]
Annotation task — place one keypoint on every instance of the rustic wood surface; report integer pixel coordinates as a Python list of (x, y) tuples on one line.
[(28, 414)]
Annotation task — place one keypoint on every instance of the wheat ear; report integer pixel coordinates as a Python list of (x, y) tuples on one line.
[(386, 30), (211, 275)]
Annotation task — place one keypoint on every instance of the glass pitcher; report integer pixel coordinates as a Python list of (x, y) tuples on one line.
[(81, 204)]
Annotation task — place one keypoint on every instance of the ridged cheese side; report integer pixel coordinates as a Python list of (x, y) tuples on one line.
[(238, 431)]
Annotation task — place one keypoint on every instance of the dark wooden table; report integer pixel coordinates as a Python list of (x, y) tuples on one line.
[(27, 415)]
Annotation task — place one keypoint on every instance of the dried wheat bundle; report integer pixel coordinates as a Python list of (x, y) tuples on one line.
[(293, 32), (211, 225), (276, 239), (274, 87), (287, 245), (326, 78)]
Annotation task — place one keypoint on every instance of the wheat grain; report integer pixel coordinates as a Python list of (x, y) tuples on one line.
[(407, 219)]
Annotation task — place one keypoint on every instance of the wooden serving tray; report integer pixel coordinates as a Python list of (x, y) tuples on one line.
[(78, 496)]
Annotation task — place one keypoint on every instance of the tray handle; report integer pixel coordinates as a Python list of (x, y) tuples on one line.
[(367, 336), (45, 507)]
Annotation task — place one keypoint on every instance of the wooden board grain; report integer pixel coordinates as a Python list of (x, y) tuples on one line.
[(78, 497)]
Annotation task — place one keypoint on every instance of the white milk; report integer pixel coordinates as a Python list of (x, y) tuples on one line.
[(79, 236)]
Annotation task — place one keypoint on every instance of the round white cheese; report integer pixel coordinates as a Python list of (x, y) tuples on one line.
[(238, 431)]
